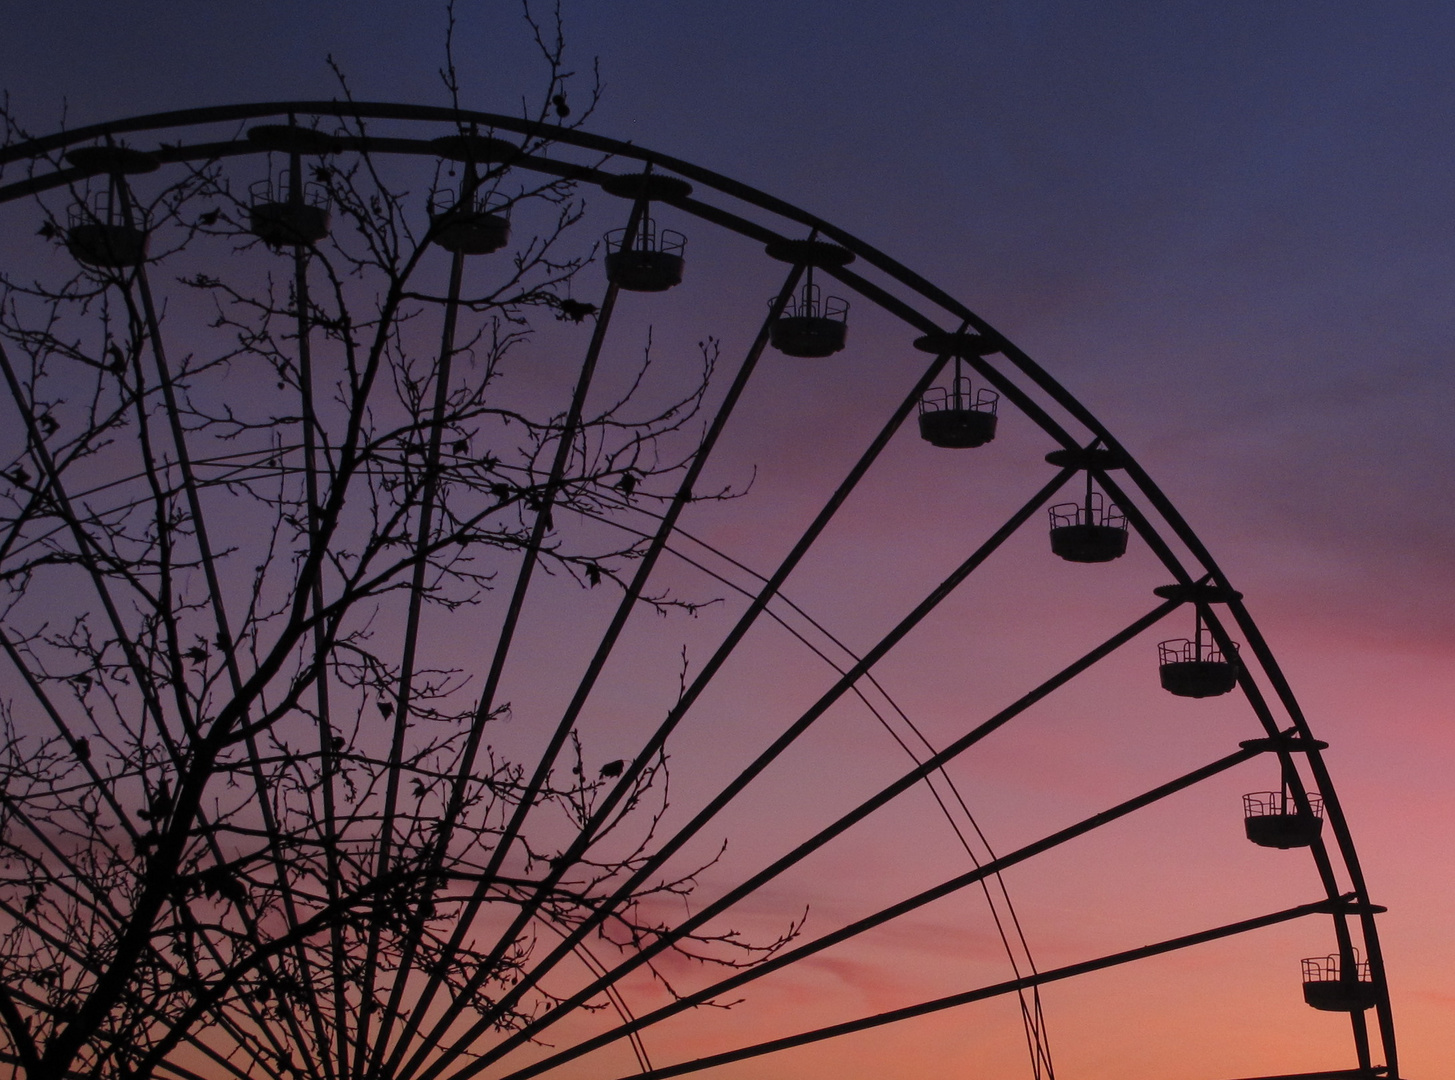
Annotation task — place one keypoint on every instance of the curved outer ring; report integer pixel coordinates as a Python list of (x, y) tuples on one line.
[(1355, 901)]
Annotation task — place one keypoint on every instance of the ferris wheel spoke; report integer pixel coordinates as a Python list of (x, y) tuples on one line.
[(738, 632), (403, 702), (842, 686), (952, 1001), (1031, 1012), (792, 956), (184, 466), (485, 710), (327, 750), (625, 607), (323, 1040), (657, 545), (415, 929), (1330, 1074), (276, 842)]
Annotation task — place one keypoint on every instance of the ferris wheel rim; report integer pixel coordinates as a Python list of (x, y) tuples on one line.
[(1206, 574)]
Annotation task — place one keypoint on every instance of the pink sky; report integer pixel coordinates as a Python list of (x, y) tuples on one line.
[(1225, 228)]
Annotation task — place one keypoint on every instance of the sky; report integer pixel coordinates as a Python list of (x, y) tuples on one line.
[(1225, 227)]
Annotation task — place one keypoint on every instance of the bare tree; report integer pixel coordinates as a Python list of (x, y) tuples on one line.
[(247, 825)]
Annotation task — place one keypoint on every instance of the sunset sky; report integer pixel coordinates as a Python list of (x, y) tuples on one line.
[(1228, 228)]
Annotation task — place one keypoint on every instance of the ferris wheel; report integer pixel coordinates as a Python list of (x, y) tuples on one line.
[(453, 631)]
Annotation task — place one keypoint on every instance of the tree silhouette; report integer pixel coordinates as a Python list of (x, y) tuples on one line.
[(248, 825)]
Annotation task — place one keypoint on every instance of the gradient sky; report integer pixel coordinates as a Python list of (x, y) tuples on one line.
[(1226, 227)]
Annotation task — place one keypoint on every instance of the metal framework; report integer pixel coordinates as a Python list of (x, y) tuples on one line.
[(415, 1025)]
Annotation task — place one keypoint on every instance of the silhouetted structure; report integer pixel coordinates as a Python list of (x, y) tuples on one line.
[(814, 326), (297, 840), (1335, 984), (288, 211), (1195, 667), (1273, 819)]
